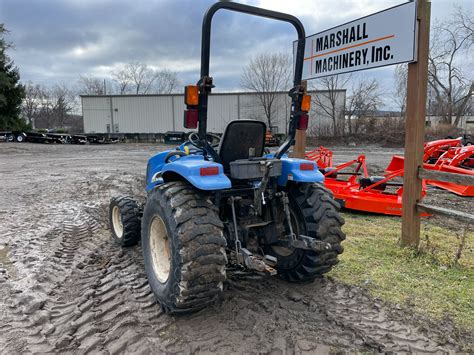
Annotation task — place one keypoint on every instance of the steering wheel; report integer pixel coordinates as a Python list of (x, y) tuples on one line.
[(194, 140), (174, 153)]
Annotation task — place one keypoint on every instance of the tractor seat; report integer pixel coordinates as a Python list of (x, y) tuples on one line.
[(242, 139)]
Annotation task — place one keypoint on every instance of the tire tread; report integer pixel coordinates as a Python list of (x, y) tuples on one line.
[(198, 244)]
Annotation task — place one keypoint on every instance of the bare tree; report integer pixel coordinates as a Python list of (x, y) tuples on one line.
[(62, 103), (452, 82), (141, 76), (56, 104), (122, 79), (400, 92), (329, 98), (32, 102), (166, 82), (141, 79), (89, 85), (362, 103), (45, 117), (266, 74)]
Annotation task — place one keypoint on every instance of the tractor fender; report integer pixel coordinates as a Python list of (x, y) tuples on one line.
[(292, 171), (188, 168), (153, 170)]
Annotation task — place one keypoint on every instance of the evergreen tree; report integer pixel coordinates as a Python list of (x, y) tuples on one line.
[(11, 91)]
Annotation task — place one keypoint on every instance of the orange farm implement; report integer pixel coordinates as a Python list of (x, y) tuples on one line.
[(359, 191), (447, 155)]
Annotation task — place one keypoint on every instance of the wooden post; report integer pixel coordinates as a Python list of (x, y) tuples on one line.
[(299, 149), (415, 129)]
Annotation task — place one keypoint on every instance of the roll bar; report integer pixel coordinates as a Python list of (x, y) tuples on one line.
[(205, 83)]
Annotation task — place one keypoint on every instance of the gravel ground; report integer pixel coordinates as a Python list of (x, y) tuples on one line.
[(65, 287)]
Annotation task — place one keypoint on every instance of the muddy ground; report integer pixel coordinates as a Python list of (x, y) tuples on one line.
[(64, 286)]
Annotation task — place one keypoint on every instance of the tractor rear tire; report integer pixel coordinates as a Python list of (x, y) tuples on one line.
[(314, 213), (183, 248), (125, 221)]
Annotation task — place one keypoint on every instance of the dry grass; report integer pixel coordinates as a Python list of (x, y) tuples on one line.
[(432, 280)]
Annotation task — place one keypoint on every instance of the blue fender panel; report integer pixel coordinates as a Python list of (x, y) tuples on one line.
[(291, 172), (155, 164), (189, 168)]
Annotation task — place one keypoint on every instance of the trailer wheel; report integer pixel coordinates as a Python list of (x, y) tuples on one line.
[(125, 221), (183, 248), (314, 213), (20, 138)]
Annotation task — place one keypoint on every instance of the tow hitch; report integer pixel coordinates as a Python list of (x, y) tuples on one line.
[(308, 243)]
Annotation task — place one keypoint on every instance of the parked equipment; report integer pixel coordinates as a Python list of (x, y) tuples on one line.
[(354, 189), (383, 194), (59, 138), (447, 155), (271, 137), (432, 151), (215, 205)]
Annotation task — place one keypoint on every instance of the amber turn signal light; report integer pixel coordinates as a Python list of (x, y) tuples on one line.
[(191, 95), (306, 103)]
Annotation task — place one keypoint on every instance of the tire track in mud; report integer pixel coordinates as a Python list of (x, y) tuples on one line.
[(74, 291), (268, 315), (97, 299)]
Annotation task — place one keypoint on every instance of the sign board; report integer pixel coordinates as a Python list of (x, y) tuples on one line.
[(384, 38)]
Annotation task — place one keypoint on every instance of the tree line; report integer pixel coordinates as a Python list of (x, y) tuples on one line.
[(52, 106), (26, 105)]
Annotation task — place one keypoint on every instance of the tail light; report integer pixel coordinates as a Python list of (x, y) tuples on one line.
[(303, 122), (211, 170), (191, 118), (306, 166)]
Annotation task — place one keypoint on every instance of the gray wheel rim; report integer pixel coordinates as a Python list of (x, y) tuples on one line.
[(117, 222), (160, 249)]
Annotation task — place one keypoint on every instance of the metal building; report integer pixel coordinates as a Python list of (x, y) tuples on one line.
[(162, 113)]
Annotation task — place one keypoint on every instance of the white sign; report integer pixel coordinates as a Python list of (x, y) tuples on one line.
[(380, 39)]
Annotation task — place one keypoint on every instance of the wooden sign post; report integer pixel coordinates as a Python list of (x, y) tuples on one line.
[(299, 149), (415, 129)]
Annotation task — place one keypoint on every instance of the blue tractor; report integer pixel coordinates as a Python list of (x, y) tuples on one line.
[(211, 206)]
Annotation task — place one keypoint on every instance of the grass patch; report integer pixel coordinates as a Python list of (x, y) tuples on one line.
[(429, 281)]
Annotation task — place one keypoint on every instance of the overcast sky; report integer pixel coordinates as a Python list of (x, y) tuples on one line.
[(56, 41)]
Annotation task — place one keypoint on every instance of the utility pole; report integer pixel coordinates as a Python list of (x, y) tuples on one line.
[(415, 129)]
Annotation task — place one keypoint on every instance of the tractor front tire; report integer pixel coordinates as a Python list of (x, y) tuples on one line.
[(314, 213), (183, 248), (125, 221)]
